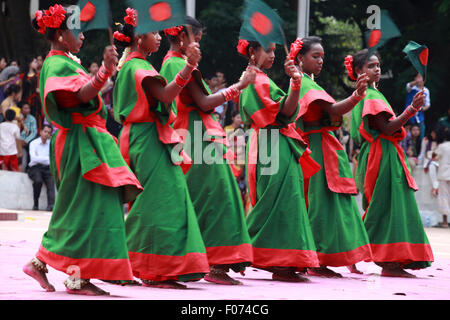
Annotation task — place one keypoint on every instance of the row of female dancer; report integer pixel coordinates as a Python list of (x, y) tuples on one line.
[(187, 220)]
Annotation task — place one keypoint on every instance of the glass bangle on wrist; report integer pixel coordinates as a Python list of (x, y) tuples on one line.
[(231, 93), (295, 85), (180, 81)]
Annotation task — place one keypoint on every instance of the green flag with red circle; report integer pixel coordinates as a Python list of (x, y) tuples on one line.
[(94, 14), (154, 15), (376, 38), (418, 55), (261, 23)]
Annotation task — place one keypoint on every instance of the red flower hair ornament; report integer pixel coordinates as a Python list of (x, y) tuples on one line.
[(42, 28), (131, 17), (121, 37), (296, 46), (242, 47), (349, 66), (54, 16), (174, 31)]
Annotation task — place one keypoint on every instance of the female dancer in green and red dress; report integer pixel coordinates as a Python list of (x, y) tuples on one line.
[(277, 162), (223, 227), (337, 227), (392, 220), (164, 240), (86, 234)]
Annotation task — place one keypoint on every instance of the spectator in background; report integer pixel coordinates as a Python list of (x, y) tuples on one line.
[(10, 146), (40, 62), (220, 84), (13, 95), (39, 168), (412, 143), (30, 89), (29, 131), (3, 63), (93, 69), (441, 187), (429, 145), (412, 88)]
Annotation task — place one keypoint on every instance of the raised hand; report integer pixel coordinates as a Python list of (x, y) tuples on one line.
[(247, 78), (193, 53), (291, 70), (110, 59), (362, 84), (418, 100)]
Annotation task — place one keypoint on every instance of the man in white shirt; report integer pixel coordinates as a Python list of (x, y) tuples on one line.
[(39, 168), (412, 88), (442, 187)]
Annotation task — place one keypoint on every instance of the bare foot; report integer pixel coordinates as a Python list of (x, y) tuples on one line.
[(289, 277), (397, 272), (353, 269), (323, 272), (168, 284), (39, 275), (221, 277), (123, 282), (84, 288)]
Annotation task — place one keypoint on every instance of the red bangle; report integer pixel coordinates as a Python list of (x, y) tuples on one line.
[(99, 80), (231, 93), (411, 111), (180, 81), (296, 85)]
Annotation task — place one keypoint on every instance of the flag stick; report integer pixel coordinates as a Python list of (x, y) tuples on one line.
[(190, 33), (111, 38)]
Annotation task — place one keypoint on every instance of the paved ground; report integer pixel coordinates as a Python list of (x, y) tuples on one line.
[(20, 239)]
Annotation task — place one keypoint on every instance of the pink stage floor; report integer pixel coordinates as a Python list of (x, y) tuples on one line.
[(20, 239)]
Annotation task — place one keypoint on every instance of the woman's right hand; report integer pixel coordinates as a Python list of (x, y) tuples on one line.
[(247, 78), (193, 53), (291, 70), (362, 84), (418, 100), (110, 59)]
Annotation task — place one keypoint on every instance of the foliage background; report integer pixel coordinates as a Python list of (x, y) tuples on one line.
[(341, 24)]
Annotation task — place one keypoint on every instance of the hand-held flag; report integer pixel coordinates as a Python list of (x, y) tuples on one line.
[(418, 55), (376, 38), (157, 15), (261, 24)]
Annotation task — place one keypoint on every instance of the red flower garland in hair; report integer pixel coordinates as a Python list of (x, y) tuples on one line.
[(174, 31), (39, 15), (242, 47), (54, 16), (349, 66), (296, 46), (131, 17), (121, 37)]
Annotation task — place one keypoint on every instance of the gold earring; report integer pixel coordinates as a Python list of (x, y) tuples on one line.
[(140, 41), (60, 39)]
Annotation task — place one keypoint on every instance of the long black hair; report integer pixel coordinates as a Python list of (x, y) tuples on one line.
[(359, 60)]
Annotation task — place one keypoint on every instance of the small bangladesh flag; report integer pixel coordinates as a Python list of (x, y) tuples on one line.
[(157, 15), (377, 38), (94, 14), (418, 55), (261, 24)]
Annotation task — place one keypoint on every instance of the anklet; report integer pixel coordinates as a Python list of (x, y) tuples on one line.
[(75, 284), (38, 264)]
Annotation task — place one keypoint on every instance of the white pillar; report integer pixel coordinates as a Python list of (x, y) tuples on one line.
[(303, 18), (34, 6), (190, 8)]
